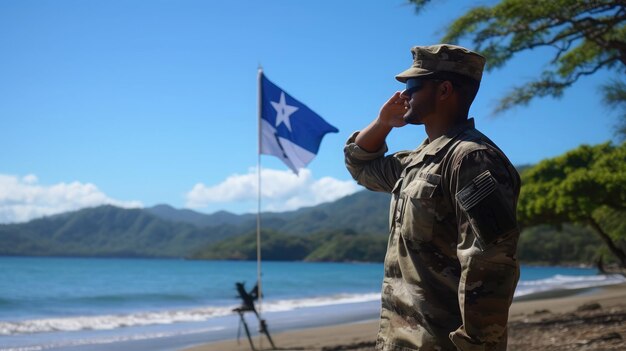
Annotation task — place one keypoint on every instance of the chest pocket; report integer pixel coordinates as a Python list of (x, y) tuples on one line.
[(420, 200)]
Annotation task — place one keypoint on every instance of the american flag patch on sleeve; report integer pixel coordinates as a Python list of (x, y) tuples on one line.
[(477, 190)]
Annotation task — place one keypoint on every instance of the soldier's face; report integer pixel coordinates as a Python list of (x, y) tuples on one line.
[(419, 102)]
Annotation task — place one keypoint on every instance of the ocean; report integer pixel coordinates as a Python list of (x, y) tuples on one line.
[(156, 304)]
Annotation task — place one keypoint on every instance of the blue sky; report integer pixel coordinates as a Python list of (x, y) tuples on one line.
[(143, 102)]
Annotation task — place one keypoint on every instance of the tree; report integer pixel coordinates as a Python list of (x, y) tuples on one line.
[(586, 185), (567, 244), (586, 36)]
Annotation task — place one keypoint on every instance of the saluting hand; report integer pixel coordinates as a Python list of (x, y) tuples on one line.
[(372, 137), (393, 110)]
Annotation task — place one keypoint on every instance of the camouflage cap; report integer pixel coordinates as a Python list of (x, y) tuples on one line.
[(428, 60)]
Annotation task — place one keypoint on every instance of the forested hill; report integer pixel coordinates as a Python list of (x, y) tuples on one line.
[(103, 231), (364, 211), (163, 231)]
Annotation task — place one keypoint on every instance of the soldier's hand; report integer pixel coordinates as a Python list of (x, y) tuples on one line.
[(393, 110)]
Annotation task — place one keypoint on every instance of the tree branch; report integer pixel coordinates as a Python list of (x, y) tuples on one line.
[(544, 87), (615, 250), (591, 71)]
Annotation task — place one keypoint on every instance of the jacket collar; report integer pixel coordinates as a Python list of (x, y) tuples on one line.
[(434, 147)]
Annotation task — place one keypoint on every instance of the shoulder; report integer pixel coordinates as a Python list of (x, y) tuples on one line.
[(474, 153), (472, 145)]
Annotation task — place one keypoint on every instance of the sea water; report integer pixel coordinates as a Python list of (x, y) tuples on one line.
[(93, 304)]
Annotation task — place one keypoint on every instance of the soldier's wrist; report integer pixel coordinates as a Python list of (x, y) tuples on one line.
[(383, 124)]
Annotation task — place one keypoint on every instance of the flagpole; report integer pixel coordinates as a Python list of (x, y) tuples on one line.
[(258, 213)]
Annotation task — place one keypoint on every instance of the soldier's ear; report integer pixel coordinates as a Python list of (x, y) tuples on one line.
[(445, 89)]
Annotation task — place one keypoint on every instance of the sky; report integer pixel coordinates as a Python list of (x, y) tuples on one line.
[(143, 102)]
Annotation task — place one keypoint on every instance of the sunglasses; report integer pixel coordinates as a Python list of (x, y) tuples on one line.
[(413, 85)]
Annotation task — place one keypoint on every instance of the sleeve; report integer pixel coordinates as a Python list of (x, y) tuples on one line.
[(373, 170), (484, 189)]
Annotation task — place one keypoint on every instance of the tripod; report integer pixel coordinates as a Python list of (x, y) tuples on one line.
[(263, 329), (248, 305)]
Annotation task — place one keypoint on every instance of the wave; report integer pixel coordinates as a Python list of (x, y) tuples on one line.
[(566, 282), (339, 299), (150, 297), (108, 322), (103, 301), (108, 340)]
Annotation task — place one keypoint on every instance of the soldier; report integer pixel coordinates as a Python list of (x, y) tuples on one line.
[(450, 267)]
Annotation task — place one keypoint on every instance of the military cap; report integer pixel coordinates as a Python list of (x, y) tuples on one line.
[(428, 60)]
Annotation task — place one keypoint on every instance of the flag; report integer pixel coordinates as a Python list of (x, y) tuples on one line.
[(289, 129)]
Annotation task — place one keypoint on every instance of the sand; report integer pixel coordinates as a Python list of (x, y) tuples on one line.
[(588, 320)]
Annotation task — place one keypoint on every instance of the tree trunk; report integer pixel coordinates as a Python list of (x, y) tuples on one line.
[(600, 265), (615, 250)]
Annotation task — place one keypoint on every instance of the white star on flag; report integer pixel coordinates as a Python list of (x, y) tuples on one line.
[(283, 111), (297, 141)]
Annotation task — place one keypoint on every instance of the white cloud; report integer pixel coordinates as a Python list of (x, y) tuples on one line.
[(280, 190), (22, 199)]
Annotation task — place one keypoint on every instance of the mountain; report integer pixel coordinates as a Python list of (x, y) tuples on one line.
[(364, 212), (163, 231), (198, 219), (333, 246), (105, 231)]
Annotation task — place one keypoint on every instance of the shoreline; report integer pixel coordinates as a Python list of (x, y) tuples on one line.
[(200, 310), (361, 335)]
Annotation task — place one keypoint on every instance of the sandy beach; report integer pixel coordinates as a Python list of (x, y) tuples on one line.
[(589, 319)]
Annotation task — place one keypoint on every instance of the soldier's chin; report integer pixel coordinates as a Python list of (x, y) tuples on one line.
[(411, 118)]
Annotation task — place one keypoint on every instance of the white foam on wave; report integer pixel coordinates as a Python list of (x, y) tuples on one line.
[(108, 340), (339, 299), (566, 282), (108, 322)]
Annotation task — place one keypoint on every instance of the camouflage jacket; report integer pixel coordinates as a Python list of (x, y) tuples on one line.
[(450, 267)]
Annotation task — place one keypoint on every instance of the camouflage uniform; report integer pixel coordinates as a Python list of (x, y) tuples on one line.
[(450, 267)]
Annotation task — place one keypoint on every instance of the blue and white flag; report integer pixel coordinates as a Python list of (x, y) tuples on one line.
[(289, 129)]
